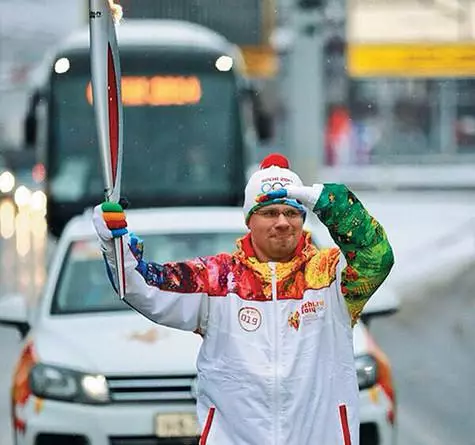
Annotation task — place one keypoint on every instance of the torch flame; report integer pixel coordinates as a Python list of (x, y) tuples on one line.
[(116, 10)]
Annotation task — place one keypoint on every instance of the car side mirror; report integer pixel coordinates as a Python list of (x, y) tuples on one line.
[(14, 313), (264, 126), (263, 121), (30, 129), (31, 122)]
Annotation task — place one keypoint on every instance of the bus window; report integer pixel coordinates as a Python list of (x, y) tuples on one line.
[(171, 147), (182, 134)]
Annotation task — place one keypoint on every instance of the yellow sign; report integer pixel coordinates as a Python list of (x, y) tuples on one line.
[(411, 60), (260, 61), (157, 90)]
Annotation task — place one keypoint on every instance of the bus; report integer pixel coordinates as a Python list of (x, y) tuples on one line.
[(192, 120)]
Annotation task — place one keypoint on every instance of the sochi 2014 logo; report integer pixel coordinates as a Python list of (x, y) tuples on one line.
[(309, 311), (294, 320)]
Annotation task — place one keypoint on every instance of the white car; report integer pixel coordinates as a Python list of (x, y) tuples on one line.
[(94, 372)]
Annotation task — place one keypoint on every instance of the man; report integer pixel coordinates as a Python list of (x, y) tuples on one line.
[(276, 364)]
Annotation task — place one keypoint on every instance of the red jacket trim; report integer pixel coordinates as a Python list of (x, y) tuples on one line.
[(207, 428)]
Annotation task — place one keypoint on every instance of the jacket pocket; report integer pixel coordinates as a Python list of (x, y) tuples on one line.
[(207, 427), (345, 428)]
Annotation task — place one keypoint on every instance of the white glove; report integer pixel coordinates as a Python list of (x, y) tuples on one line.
[(308, 196)]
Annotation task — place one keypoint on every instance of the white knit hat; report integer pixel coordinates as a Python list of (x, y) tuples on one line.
[(274, 173)]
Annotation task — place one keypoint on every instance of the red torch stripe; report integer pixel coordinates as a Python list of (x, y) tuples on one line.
[(123, 262), (112, 89)]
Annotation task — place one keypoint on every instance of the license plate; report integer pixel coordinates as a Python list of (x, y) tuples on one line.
[(176, 425)]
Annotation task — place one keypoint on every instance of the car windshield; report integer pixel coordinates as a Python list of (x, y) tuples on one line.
[(84, 287)]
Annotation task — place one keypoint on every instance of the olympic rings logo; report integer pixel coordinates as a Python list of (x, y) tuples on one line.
[(268, 186)]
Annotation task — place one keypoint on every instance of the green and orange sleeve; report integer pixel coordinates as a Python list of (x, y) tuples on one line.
[(361, 239)]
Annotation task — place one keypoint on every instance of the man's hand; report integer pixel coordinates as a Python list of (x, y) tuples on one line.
[(109, 221), (308, 196)]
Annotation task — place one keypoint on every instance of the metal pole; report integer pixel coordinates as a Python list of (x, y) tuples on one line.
[(306, 98), (448, 98)]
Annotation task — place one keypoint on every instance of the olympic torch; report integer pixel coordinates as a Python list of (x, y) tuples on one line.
[(106, 91)]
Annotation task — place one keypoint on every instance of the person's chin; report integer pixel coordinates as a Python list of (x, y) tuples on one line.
[(284, 244), (284, 239)]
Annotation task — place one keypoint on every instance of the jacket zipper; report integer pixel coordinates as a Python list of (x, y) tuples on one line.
[(276, 355)]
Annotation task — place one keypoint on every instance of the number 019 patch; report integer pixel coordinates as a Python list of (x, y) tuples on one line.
[(249, 318)]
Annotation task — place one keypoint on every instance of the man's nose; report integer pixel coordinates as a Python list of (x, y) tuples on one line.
[(282, 221)]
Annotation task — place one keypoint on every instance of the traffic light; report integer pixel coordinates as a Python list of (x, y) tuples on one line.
[(311, 4)]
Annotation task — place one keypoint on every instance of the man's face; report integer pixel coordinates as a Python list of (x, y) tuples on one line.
[(275, 232)]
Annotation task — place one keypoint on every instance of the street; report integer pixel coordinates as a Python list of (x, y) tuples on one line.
[(429, 343)]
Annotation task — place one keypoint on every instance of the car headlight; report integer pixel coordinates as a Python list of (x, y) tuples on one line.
[(366, 370), (22, 196), (7, 182), (52, 382)]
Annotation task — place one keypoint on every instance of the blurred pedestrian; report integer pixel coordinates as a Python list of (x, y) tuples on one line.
[(276, 365)]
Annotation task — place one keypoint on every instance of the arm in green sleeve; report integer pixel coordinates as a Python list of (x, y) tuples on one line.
[(361, 239)]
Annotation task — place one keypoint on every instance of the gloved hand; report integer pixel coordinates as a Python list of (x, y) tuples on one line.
[(109, 221), (308, 196)]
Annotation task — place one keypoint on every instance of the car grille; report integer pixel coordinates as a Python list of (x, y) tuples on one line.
[(152, 389), (153, 441), (60, 439)]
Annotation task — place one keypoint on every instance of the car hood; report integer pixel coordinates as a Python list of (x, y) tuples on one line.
[(115, 344)]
